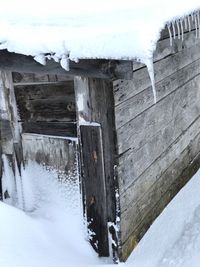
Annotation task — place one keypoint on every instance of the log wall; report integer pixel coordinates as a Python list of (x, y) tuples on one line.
[(158, 144)]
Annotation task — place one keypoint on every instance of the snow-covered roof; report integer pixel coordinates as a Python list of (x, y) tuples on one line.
[(63, 29)]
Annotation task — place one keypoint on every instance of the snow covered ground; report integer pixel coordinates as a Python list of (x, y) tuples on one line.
[(51, 233)]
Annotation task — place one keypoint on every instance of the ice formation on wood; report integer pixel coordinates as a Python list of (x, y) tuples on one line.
[(184, 24), (150, 68)]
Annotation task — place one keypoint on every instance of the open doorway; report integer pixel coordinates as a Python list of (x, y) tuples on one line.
[(47, 117), (47, 111)]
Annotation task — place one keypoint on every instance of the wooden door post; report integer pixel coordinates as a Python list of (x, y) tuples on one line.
[(97, 146), (10, 131)]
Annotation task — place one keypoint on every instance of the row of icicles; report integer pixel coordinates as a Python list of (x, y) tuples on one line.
[(177, 27)]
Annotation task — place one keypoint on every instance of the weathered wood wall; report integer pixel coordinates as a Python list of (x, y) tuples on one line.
[(158, 144), (55, 152)]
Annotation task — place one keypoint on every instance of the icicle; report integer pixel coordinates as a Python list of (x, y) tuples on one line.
[(49, 57), (198, 22), (40, 59), (76, 60), (182, 31), (195, 21), (174, 30), (192, 16), (178, 28), (55, 58), (150, 68), (170, 34), (64, 62), (189, 24), (186, 23)]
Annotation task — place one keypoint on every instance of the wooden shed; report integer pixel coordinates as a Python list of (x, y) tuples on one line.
[(134, 155)]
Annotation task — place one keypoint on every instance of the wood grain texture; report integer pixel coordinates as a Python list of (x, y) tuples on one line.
[(154, 119), (158, 145), (95, 104), (46, 102), (96, 97), (125, 113), (51, 128), (94, 187), (182, 108), (32, 78), (55, 152), (185, 54), (171, 181), (155, 186), (10, 139)]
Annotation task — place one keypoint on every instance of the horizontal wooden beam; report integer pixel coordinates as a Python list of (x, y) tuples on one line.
[(65, 129), (105, 69)]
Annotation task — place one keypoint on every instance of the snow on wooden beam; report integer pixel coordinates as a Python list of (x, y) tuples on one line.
[(105, 69)]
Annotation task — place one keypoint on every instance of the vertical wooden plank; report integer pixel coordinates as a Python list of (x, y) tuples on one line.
[(95, 105), (10, 129), (94, 185)]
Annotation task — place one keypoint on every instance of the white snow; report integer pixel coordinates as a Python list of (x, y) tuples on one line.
[(174, 238), (66, 30), (89, 29), (50, 232)]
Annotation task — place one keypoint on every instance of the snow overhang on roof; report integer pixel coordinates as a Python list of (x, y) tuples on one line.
[(74, 30), (66, 30)]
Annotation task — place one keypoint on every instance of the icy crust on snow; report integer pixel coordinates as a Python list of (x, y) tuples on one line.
[(78, 29)]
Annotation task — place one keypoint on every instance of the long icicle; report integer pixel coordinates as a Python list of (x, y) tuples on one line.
[(195, 21), (149, 63), (170, 34), (174, 30), (189, 24), (186, 23), (192, 16), (198, 22), (178, 28), (182, 31)]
